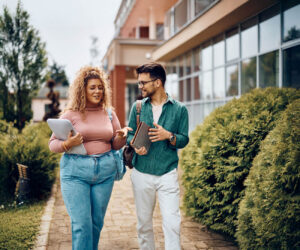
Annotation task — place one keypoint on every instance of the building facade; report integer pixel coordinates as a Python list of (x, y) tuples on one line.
[(139, 28), (222, 49), (213, 50)]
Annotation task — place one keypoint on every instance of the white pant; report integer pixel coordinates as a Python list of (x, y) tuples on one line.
[(145, 187)]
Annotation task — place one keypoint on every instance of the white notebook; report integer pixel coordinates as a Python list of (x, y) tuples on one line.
[(61, 129)]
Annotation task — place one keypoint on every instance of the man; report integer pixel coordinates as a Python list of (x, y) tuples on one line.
[(155, 172)]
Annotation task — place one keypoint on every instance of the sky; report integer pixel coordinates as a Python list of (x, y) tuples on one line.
[(66, 26)]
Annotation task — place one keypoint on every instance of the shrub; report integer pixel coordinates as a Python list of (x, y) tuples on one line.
[(7, 128), (31, 149), (7, 182), (220, 154), (269, 214)]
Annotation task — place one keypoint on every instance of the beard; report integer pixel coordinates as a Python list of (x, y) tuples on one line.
[(148, 93)]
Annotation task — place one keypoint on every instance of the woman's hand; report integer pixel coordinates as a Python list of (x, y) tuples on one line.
[(73, 140), (123, 132)]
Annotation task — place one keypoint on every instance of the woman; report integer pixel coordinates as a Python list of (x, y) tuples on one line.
[(87, 180)]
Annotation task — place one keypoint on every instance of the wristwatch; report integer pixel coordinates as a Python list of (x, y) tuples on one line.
[(172, 137)]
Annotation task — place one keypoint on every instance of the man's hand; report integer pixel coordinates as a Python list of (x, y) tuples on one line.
[(158, 133), (141, 151), (73, 140), (123, 132)]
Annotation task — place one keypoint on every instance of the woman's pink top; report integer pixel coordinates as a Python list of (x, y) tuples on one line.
[(96, 129)]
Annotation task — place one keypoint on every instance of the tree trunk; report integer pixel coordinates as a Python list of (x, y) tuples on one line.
[(19, 108)]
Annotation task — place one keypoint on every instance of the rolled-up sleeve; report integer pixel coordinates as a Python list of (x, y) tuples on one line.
[(55, 144), (182, 134)]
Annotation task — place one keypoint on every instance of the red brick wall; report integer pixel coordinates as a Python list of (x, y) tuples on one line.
[(118, 85)]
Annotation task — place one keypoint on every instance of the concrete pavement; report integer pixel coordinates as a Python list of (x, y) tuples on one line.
[(119, 230)]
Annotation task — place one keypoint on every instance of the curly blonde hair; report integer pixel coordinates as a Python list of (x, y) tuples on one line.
[(77, 91)]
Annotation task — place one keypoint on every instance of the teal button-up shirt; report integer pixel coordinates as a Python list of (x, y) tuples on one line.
[(162, 156)]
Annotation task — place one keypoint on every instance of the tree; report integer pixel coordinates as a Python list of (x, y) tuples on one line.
[(22, 65), (58, 74)]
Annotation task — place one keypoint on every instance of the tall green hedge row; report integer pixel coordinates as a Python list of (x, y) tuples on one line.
[(220, 153), (269, 215), (31, 149)]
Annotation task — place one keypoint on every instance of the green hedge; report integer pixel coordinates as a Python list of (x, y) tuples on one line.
[(31, 149), (220, 154), (8, 135), (269, 215)]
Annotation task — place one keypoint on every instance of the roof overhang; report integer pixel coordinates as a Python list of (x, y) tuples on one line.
[(220, 17)]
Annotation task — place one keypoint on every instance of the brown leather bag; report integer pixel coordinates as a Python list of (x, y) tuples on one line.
[(128, 151)]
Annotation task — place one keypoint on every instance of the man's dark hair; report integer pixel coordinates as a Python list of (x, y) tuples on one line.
[(155, 70)]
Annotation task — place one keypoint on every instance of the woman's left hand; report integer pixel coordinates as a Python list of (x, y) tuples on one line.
[(123, 132)]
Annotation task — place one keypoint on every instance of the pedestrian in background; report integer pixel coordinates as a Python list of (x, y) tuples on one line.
[(87, 180), (155, 171)]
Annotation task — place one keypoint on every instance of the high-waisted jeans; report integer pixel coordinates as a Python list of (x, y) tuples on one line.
[(86, 186)]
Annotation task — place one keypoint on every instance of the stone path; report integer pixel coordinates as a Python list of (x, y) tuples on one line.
[(119, 230)]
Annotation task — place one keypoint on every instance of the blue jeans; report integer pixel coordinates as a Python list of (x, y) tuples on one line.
[(86, 186)]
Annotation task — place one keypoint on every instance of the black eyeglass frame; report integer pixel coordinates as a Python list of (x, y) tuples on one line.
[(142, 83)]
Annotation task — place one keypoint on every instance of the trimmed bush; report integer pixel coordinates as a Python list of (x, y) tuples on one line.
[(31, 149), (7, 128), (7, 182), (220, 153), (269, 214)]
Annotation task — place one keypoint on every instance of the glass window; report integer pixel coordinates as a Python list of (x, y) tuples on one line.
[(291, 69), (171, 71), (207, 58), (169, 29), (132, 94), (269, 70), (169, 76), (249, 38), (197, 93), (196, 58), (181, 66), (181, 90), (232, 45), (219, 83), (175, 90), (232, 80), (207, 85), (201, 5), (200, 116), (208, 108), (248, 75), (269, 31), (160, 31), (168, 87), (188, 61), (188, 88), (173, 64), (291, 24), (180, 14), (168, 69), (219, 52)]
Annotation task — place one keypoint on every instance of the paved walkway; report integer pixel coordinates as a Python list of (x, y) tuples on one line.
[(119, 232)]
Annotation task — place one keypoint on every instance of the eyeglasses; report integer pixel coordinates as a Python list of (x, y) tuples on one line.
[(142, 83)]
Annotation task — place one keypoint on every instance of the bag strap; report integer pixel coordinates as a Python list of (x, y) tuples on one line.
[(138, 111), (109, 111)]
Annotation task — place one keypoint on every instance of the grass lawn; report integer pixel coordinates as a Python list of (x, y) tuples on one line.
[(19, 226)]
